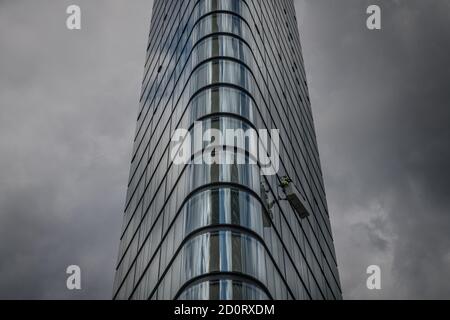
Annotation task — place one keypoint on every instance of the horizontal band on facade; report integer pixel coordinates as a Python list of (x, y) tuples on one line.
[(212, 276)]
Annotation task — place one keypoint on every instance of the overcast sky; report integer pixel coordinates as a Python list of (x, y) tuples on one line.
[(68, 105)]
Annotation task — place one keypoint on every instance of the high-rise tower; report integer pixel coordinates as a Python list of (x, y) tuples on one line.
[(225, 231)]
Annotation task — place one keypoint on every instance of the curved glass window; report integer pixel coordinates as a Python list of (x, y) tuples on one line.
[(223, 289), (223, 206), (223, 71), (244, 174), (221, 100), (217, 251), (220, 22), (223, 46), (236, 6)]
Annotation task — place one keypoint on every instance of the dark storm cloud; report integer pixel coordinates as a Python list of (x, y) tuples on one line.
[(68, 104), (382, 109)]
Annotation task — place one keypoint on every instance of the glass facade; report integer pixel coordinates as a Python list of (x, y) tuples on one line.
[(203, 231)]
